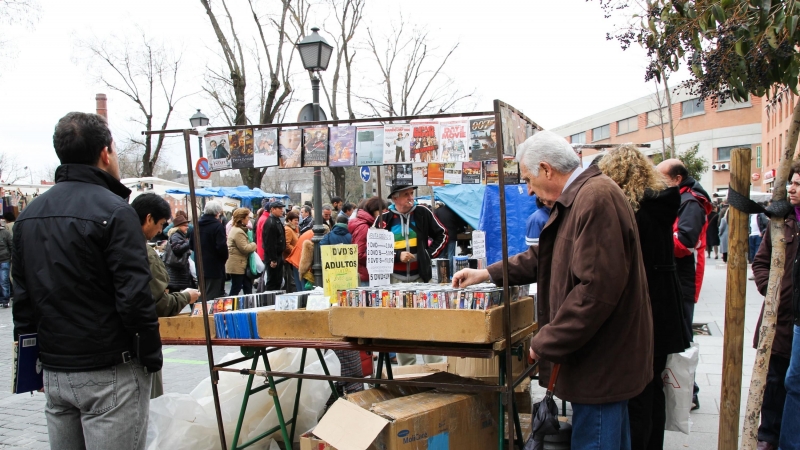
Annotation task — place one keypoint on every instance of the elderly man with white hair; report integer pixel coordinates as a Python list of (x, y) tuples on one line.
[(214, 246), (594, 313)]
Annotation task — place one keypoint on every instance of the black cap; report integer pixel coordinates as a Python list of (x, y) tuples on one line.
[(277, 204), (397, 188)]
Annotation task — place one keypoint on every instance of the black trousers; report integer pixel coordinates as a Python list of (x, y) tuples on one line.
[(215, 288), (239, 283), (774, 398), (647, 411), (274, 277)]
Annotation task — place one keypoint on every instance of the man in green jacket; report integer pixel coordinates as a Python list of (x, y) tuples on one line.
[(153, 212)]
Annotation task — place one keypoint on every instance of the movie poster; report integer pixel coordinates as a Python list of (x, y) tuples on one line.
[(266, 151), (315, 147), (369, 146), (511, 171), (289, 148), (388, 174), (241, 148), (454, 141), (521, 130), (420, 174), (435, 174), (219, 158), (490, 173), (471, 172), (452, 173), (397, 143), (483, 138), (403, 175), (509, 143), (424, 143), (342, 146)]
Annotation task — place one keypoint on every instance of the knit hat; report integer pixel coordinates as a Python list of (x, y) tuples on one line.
[(179, 219)]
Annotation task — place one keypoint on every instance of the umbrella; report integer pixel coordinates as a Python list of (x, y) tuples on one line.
[(544, 419)]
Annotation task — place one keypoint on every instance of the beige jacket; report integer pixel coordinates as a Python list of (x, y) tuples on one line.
[(239, 249)]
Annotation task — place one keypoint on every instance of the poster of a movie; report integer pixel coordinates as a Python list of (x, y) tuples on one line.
[(403, 175), (397, 143), (424, 142), (471, 172), (219, 158), (435, 174), (420, 174), (342, 146), (369, 146), (452, 173), (241, 148), (315, 147), (509, 132), (266, 151), (454, 141), (289, 148), (483, 138)]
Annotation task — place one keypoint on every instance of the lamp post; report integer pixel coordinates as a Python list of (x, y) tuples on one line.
[(29, 173), (316, 53), (199, 120)]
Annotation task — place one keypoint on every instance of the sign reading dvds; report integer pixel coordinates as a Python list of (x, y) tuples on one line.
[(339, 267), (380, 251), (379, 279), (478, 244)]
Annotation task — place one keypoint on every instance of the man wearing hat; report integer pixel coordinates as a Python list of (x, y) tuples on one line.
[(274, 241)]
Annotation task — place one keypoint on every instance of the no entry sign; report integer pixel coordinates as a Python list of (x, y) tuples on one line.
[(202, 168)]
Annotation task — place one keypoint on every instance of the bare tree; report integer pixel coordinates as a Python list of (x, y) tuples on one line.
[(130, 161), (10, 169), (15, 12), (147, 73)]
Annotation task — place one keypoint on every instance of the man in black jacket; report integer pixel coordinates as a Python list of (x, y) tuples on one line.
[(85, 291), (274, 239), (214, 246)]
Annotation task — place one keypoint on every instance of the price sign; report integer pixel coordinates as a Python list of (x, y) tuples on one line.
[(379, 279), (380, 251), (478, 244)]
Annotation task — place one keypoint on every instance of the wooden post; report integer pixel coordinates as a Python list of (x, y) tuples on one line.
[(730, 399)]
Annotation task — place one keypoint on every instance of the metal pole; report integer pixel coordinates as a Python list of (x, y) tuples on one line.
[(316, 268)]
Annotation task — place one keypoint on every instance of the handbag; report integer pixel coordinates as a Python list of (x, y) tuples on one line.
[(255, 266), (678, 378)]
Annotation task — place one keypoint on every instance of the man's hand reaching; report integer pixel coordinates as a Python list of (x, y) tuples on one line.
[(468, 277)]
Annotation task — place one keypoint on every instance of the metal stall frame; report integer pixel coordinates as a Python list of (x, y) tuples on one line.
[(507, 383)]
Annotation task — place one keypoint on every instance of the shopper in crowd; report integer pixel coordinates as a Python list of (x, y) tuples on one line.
[(306, 219), (262, 219), (454, 225), (535, 222), (231, 223), (9, 218), (180, 277), (214, 246), (595, 323), (754, 238), (292, 232), (347, 210), (772, 407), (274, 239), (153, 212), (336, 205), (239, 250), (689, 237), (327, 216), (656, 208), (723, 234), (368, 211), (790, 438), (306, 255), (294, 260), (82, 283), (712, 233), (5, 264), (339, 233)]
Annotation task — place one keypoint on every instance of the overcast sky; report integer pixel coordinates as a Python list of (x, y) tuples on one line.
[(548, 58)]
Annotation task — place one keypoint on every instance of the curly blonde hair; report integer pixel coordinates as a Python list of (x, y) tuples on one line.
[(633, 172)]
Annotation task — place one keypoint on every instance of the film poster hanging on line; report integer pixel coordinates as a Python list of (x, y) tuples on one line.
[(289, 148), (403, 175), (483, 139), (452, 173), (420, 176), (424, 142), (471, 172), (219, 158), (315, 147), (369, 146), (339, 268), (436, 174), (342, 146), (266, 151), (454, 141), (397, 143), (241, 148)]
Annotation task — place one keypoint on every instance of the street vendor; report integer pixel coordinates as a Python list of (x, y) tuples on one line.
[(594, 313)]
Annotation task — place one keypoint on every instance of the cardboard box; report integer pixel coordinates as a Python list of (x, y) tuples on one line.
[(185, 327), (524, 424), (488, 369), (299, 324), (432, 325), (416, 370), (310, 442)]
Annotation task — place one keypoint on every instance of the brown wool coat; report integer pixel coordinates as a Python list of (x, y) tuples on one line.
[(291, 240), (593, 306), (239, 249)]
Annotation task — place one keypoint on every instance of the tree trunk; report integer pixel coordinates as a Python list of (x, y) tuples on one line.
[(768, 320), (663, 142), (668, 95)]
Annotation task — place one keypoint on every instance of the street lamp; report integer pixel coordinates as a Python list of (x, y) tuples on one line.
[(29, 172), (199, 120), (315, 52)]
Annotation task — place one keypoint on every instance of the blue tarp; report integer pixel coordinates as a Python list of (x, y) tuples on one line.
[(519, 205), (240, 192), (464, 199), (185, 191)]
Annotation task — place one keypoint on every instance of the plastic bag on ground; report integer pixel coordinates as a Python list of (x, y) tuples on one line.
[(188, 421), (678, 388)]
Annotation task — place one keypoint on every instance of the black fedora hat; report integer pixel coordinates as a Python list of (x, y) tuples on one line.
[(397, 188)]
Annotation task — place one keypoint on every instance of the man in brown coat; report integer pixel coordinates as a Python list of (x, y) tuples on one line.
[(594, 312)]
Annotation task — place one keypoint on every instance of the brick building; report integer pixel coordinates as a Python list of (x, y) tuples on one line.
[(776, 116)]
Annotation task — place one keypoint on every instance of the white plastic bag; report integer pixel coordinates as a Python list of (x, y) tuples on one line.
[(260, 267), (678, 388), (192, 269)]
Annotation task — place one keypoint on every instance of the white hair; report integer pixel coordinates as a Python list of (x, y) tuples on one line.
[(213, 207), (549, 147)]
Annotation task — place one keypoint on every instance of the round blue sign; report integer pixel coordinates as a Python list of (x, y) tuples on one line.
[(365, 173)]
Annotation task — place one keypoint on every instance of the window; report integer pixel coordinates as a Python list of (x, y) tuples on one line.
[(600, 133), (724, 153), (628, 125), (579, 138), (758, 156), (692, 107), (730, 104), (657, 117)]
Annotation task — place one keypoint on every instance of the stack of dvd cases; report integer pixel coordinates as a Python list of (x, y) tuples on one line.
[(239, 302), (423, 296)]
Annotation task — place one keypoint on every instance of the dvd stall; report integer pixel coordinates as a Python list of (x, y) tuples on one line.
[(483, 321)]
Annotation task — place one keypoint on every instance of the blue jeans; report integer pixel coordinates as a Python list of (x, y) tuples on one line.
[(299, 283), (601, 427), (753, 243), (790, 424), (5, 284)]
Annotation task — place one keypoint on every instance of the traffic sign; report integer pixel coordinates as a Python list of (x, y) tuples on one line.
[(202, 168), (204, 183), (365, 173)]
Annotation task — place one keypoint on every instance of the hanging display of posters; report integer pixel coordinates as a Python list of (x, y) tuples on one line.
[(241, 148), (454, 141), (424, 142), (509, 132), (490, 172), (342, 146), (452, 173), (403, 175), (289, 148), (471, 172), (397, 140), (339, 268), (388, 174), (435, 174), (420, 177), (483, 138), (315, 147), (369, 146), (511, 171), (266, 151), (217, 147)]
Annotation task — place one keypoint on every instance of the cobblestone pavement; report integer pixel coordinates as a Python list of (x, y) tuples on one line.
[(23, 425)]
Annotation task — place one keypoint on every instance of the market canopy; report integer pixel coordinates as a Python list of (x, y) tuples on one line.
[(464, 199), (239, 192), (201, 192)]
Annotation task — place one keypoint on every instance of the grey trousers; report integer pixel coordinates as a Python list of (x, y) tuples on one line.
[(407, 359), (101, 409)]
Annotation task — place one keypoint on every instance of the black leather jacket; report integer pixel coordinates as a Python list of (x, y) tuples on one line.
[(81, 276)]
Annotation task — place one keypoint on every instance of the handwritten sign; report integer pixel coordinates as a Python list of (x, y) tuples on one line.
[(478, 244), (339, 268), (379, 279), (380, 251)]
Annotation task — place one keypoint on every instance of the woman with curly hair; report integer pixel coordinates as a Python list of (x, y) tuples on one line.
[(656, 208)]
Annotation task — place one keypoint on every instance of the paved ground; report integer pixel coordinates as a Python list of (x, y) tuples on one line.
[(22, 422)]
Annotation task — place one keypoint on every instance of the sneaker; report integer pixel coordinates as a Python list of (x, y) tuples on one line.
[(751, 277), (695, 403)]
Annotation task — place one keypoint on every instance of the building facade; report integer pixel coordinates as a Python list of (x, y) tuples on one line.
[(715, 130), (776, 116)]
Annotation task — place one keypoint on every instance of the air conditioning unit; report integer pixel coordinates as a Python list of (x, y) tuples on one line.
[(715, 167), (724, 166)]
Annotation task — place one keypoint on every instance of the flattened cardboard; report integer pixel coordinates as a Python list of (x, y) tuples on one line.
[(484, 368), (297, 324), (310, 442), (431, 325), (346, 426), (416, 370), (185, 327)]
